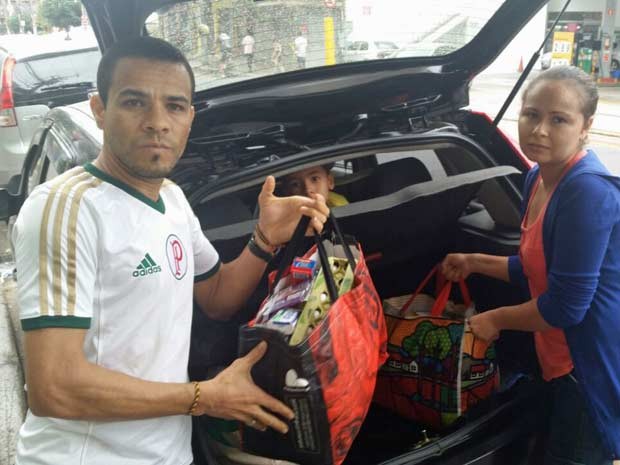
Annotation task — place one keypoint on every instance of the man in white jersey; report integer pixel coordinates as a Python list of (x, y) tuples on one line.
[(109, 257)]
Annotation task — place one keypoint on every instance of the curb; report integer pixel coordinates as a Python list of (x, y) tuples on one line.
[(598, 132)]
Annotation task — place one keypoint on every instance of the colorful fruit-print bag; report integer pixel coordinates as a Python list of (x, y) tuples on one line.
[(436, 369)]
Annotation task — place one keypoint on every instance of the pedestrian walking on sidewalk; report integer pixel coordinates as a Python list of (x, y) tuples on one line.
[(276, 56), (225, 51), (248, 49), (301, 46)]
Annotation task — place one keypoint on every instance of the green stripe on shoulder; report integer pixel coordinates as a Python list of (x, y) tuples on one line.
[(208, 274), (40, 322)]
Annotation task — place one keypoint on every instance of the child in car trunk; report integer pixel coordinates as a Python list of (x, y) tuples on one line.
[(317, 179)]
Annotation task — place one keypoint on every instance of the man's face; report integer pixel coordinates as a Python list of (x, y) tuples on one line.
[(315, 180), (148, 116)]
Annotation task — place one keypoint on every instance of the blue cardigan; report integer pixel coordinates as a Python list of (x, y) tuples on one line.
[(581, 241)]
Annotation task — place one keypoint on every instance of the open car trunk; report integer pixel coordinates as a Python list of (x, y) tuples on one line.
[(413, 199)]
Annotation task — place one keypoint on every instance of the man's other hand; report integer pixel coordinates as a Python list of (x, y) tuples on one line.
[(233, 395)]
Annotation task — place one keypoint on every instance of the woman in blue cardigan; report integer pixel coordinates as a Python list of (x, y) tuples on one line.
[(569, 259)]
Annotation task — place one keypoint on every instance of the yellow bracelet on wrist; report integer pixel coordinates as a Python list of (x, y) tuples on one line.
[(192, 409)]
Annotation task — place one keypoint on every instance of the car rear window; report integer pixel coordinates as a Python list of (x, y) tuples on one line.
[(65, 77), (287, 36)]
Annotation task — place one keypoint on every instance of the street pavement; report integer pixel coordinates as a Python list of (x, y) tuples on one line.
[(12, 396), (488, 93)]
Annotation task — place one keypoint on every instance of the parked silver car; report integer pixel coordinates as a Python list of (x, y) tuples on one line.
[(364, 49), (425, 49), (545, 60), (30, 84)]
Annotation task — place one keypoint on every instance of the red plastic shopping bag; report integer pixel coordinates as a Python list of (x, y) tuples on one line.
[(329, 377)]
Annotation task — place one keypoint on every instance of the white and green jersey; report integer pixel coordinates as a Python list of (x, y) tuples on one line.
[(95, 254)]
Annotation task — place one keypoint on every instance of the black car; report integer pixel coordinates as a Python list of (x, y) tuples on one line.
[(423, 175)]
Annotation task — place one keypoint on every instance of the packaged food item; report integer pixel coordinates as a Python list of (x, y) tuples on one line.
[(283, 320), (318, 302), (291, 296), (343, 275), (303, 269)]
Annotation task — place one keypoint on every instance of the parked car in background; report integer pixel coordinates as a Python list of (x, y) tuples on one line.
[(359, 50), (545, 60), (424, 175), (34, 77), (425, 49)]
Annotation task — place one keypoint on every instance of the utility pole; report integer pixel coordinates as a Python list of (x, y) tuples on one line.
[(34, 7), (607, 37)]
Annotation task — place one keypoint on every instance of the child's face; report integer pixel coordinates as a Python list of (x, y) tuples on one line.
[(315, 180)]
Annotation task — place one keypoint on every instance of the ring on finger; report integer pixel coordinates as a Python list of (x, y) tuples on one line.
[(252, 422)]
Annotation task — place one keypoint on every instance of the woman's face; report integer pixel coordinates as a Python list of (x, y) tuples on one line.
[(552, 127)]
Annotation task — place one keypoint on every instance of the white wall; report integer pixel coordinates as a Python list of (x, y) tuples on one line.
[(585, 5), (404, 21), (522, 46), (577, 5)]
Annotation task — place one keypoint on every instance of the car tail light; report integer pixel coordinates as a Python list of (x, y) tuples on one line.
[(513, 144), (7, 106)]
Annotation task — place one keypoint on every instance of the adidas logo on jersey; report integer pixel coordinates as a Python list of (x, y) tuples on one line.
[(147, 266)]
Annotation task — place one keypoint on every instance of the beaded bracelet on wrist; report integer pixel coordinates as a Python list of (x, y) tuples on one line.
[(262, 236)]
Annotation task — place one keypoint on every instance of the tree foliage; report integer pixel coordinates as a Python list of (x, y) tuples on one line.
[(28, 27), (13, 24), (61, 13)]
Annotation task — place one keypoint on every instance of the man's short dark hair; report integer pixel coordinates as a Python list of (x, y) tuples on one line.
[(149, 48)]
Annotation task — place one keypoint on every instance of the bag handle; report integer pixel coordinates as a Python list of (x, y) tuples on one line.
[(295, 243), (442, 297), (327, 269), (345, 245), (442, 282), (291, 248)]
